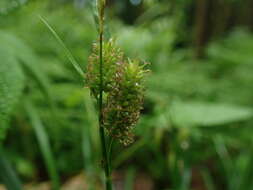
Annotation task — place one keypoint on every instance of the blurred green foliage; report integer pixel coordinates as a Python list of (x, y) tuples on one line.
[(196, 126)]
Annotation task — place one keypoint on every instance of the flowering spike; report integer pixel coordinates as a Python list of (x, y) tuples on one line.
[(123, 88)]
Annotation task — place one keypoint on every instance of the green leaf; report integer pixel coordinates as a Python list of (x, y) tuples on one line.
[(44, 144), (11, 85), (66, 50), (29, 60), (8, 6), (207, 114), (225, 50), (7, 174), (15, 56)]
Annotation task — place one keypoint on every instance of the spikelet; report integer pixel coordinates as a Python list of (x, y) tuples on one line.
[(123, 88), (111, 56)]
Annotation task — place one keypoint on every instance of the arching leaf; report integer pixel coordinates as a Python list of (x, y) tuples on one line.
[(11, 85)]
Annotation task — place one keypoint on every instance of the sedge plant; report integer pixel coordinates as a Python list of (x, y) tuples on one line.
[(116, 83)]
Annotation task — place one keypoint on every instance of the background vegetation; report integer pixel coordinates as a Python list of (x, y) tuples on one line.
[(196, 127)]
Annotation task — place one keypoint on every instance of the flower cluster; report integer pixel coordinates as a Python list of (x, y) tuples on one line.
[(123, 89)]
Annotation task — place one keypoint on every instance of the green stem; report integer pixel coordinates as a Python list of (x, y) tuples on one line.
[(110, 153), (101, 128)]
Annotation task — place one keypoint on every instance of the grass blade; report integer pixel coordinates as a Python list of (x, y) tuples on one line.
[(186, 179), (66, 50), (128, 153), (129, 179), (7, 174), (226, 160), (208, 181), (44, 145)]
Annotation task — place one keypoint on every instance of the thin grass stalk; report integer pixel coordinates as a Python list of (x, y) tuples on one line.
[(110, 147), (101, 127)]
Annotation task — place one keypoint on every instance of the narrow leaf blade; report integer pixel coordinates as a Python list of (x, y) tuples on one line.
[(66, 50)]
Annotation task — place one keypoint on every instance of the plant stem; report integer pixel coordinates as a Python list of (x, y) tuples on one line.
[(101, 128), (110, 147)]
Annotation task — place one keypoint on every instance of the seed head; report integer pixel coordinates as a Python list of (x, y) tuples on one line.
[(123, 88)]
